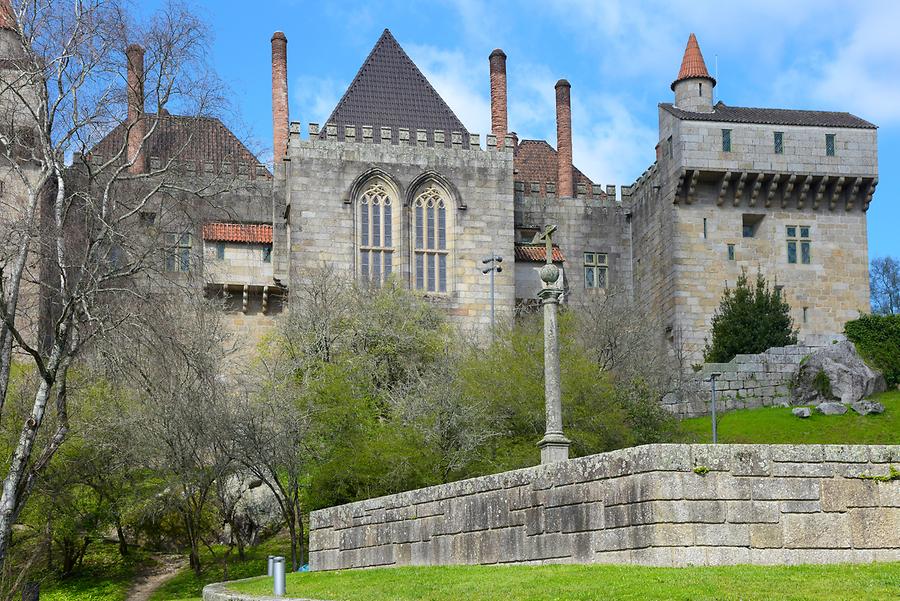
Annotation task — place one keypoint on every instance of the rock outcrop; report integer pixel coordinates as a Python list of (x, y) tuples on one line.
[(836, 373)]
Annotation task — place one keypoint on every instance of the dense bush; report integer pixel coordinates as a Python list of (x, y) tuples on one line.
[(750, 319), (877, 339)]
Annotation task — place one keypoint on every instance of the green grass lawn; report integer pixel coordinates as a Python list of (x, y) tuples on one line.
[(187, 586), (777, 425), (105, 576), (607, 582)]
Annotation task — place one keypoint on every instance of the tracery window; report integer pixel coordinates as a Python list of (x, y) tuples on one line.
[(430, 233), (376, 236)]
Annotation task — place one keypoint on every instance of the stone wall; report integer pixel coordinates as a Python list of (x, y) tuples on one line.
[(746, 382), (668, 505)]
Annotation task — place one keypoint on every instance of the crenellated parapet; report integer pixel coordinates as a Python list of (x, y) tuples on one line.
[(399, 136)]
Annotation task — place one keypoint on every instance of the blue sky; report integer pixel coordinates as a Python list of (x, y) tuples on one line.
[(619, 55)]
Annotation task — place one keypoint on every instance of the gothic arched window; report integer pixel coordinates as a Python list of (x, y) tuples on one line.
[(429, 243), (376, 233)]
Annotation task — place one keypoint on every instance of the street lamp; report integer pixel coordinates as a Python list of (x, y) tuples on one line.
[(712, 381), (493, 266)]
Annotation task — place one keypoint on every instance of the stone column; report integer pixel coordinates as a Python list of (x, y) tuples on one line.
[(554, 446), (280, 115)]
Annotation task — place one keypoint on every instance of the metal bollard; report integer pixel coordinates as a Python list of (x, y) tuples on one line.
[(278, 573), (270, 563)]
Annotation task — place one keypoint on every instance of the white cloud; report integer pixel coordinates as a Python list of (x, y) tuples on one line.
[(315, 97), (460, 80)]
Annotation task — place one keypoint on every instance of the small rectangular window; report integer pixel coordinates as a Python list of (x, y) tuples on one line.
[(220, 251), (267, 254), (804, 252), (704, 228), (779, 142), (669, 149), (792, 251), (750, 224), (595, 270), (792, 231), (805, 314), (829, 145), (178, 255), (731, 252), (803, 241), (726, 140)]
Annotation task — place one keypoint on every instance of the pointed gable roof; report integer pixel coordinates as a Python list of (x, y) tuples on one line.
[(692, 65), (390, 91)]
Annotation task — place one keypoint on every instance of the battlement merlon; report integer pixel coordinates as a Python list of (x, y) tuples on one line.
[(397, 136)]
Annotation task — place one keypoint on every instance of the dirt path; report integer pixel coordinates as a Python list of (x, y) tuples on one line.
[(166, 566)]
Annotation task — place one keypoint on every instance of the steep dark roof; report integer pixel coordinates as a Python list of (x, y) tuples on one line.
[(390, 91), (738, 114), (535, 161), (187, 139)]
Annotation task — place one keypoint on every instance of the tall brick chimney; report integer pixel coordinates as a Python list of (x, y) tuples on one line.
[(280, 116), (7, 16), (564, 184), (136, 122), (498, 95)]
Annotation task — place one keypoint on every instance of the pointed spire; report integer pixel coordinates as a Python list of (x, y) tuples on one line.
[(692, 65)]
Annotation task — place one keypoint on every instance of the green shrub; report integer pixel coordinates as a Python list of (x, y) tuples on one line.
[(877, 339), (750, 319)]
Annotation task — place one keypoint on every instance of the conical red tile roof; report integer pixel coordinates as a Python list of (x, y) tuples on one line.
[(692, 64)]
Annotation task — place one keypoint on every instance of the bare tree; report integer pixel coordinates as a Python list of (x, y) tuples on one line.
[(885, 282), (73, 238)]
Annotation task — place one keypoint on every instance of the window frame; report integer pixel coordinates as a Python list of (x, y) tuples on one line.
[(726, 140), (596, 263), (730, 251), (830, 144), (430, 240), (178, 252), (778, 142), (376, 226), (798, 239)]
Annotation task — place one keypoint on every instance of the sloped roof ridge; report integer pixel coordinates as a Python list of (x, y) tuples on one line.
[(771, 116), (385, 42)]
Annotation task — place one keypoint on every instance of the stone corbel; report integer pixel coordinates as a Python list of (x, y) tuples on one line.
[(773, 188), (869, 193), (678, 183), (757, 185), (723, 188), (851, 198), (788, 190), (804, 190), (246, 300), (693, 186), (836, 192), (265, 299), (820, 191), (739, 191)]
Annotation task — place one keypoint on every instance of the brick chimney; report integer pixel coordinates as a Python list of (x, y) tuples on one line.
[(136, 122), (7, 16), (565, 183), (280, 115), (499, 125)]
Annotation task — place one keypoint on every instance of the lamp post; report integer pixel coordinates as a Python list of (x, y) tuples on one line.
[(493, 266), (554, 446), (712, 381)]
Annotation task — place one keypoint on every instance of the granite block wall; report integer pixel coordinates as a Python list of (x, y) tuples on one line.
[(746, 382), (667, 505)]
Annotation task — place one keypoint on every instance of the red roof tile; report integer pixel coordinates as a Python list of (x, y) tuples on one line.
[(692, 64), (537, 253), (535, 161), (238, 232)]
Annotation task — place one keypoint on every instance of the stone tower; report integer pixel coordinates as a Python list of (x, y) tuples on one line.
[(693, 87)]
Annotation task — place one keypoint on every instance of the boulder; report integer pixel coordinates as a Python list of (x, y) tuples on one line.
[(867, 407), (831, 408), (836, 373), (255, 510), (802, 412)]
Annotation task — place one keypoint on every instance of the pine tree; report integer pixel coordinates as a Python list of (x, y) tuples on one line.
[(750, 319)]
